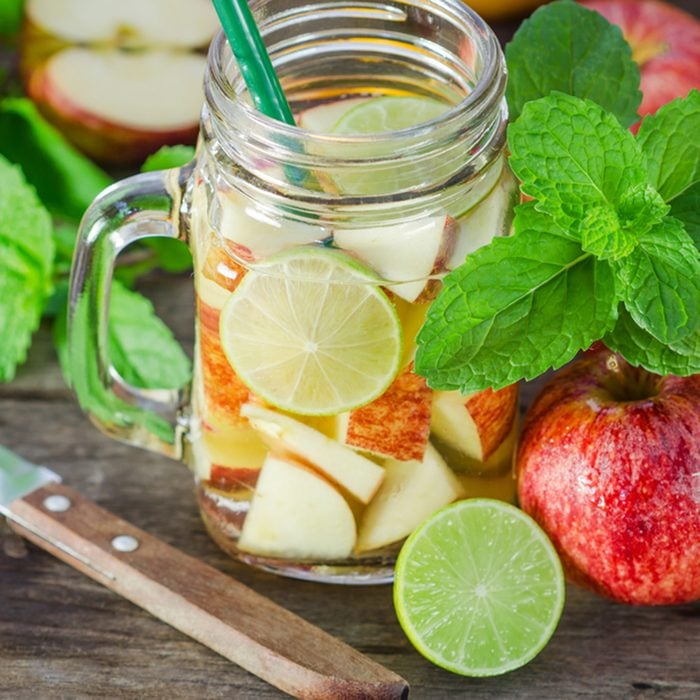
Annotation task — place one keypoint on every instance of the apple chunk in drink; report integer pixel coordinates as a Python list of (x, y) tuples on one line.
[(309, 405)]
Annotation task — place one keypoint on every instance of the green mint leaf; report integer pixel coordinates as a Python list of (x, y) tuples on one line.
[(641, 348), (660, 282), (602, 235), (686, 208), (26, 258), (517, 307), (670, 140), (10, 17), (566, 48), (171, 255), (641, 208), (65, 180), (142, 348), (101, 403), (571, 156), (168, 157)]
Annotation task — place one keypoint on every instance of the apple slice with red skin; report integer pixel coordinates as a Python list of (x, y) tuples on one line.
[(477, 424), (396, 425), (608, 465), (665, 43), (120, 107), (223, 391)]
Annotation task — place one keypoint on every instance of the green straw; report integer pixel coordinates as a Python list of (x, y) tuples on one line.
[(254, 61)]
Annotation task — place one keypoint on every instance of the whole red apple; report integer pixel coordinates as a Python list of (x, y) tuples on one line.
[(665, 43), (609, 465)]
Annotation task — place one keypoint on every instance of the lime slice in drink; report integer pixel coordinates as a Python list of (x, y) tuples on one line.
[(310, 332), (479, 588), (380, 114), (387, 175)]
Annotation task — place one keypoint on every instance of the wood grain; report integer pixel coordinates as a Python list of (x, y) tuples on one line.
[(208, 606)]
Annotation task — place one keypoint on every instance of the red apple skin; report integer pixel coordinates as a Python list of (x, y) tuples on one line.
[(614, 483), (665, 42), (107, 142)]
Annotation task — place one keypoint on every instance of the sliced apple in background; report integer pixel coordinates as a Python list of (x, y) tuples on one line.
[(410, 493), (118, 107), (120, 79), (297, 514), (321, 119), (474, 425), (131, 23), (490, 218), (408, 253), (359, 476), (397, 424), (250, 235)]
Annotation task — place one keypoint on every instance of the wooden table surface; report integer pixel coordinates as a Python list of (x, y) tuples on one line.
[(64, 636)]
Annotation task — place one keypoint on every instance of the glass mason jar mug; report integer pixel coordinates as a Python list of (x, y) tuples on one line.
[(317, 250)]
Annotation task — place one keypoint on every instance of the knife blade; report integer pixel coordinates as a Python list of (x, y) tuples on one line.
[(200, 601)]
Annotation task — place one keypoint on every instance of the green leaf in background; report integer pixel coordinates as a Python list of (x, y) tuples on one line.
[(65, 180), (26, 257), (641, 348), (660, 282), (94, 398), (686, 208), (142, 348), (565, 47), (517, 307), (670, 140), (10, 17), (571, 155), (168, 157), (171, 255)]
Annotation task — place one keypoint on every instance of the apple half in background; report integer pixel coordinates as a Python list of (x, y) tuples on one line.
[(295, 513), (118, 105), (477, 424), (411, 492)]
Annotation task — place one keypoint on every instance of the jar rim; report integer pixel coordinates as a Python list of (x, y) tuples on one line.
[(485, 96)]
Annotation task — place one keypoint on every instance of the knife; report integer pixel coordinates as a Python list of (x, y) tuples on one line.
[(216, 610)]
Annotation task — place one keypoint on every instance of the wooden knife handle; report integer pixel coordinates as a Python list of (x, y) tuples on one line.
[(200, 601)]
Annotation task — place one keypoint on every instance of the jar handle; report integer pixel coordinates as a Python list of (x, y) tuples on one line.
[(138, 207)]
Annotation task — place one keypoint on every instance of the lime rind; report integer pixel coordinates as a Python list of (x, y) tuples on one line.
[(439, 573), (312, 333)]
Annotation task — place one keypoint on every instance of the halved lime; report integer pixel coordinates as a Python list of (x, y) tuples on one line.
[(479, 588), (311, 332)]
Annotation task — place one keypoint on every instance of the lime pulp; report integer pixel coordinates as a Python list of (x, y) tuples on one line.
[(479, 588)]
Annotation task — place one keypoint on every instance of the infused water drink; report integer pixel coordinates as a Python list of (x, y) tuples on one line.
[(318, 250), (319, 448)]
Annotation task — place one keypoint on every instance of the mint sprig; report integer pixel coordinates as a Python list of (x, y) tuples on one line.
[(567, 48), (598, 254), (515, 308)]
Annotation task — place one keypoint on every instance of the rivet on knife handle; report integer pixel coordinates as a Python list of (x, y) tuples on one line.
[(200, 601)]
